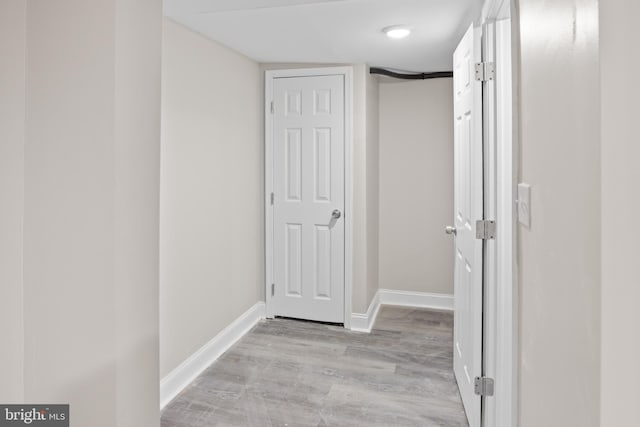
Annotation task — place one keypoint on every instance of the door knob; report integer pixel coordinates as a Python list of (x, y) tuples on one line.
[(336, 213), (450, 230)]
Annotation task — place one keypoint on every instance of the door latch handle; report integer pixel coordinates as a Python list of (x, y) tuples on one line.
[(336, 214), (450, 230)]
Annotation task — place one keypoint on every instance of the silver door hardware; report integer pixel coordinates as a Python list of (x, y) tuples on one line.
[(272, 108), (336, 214), (485, 71), (483, 386), (273, 289), (450, 230), (272, 198), (485, 230)]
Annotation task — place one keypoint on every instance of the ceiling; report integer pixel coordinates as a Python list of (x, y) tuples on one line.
[(333, 31)]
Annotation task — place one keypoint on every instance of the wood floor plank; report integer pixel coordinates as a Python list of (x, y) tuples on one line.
[(295, 373)]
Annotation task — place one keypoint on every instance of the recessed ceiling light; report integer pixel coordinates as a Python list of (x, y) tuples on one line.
[(397, 31)]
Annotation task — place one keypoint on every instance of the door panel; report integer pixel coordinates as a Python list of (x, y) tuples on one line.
[(468, 208), (308, 136), (293, 260), (322, 178), (293, 160), (322, 270)]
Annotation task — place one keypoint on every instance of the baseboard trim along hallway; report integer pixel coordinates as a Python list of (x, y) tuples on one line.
[(172, 384), (363, 322)]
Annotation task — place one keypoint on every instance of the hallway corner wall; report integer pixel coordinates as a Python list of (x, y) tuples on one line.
[(365, 188), (373, 185), (620, 155), (12, 139), (559, 255), (212, 183), (90, 223)]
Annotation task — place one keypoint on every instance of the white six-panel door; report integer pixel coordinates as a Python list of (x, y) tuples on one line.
[(468, 207), (309, 197)]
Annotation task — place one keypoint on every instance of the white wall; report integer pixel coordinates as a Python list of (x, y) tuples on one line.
[(91, 168), (211, 233), (620, 62), (12, 106), (365, 188), (559, 257), (373, 184), (416, 185), (138, 48), (360, 297)]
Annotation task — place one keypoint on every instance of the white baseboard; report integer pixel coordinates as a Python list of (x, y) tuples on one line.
[(172, 384), (416, 299), (363, 322)]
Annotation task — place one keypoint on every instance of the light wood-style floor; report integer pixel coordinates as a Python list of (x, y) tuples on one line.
[(295, 373)]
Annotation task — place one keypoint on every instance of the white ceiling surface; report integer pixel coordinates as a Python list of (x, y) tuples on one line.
[(333, 31)]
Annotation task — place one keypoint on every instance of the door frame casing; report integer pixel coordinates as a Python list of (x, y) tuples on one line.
[(270, 76), (500, 358)]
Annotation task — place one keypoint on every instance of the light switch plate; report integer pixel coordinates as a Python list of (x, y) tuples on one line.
[(524, 204)]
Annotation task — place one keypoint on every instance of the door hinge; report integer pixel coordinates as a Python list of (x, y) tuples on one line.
[(483, 386), (485, 229), (272, 199), (273, 289), (272, 108), (485, 71)]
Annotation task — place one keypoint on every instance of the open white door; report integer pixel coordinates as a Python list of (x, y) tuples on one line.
[(309, 197), (468, 206)]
